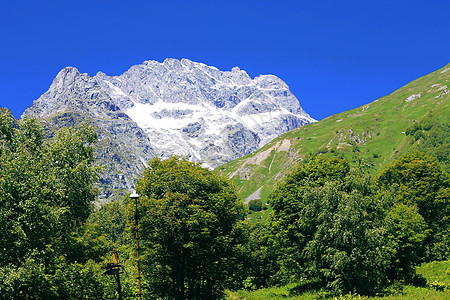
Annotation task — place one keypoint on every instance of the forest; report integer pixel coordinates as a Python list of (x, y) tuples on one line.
[(334, 228)]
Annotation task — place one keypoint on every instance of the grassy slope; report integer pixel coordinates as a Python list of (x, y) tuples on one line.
[(373, 132), (434, 271)]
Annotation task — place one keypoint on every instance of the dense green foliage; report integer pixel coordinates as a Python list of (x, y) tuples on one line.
[(189, 222), (406, 233), (46, 194), (327, 221), (261, 258), (344, 231), (256, 205), (110, 220), (417, 180)]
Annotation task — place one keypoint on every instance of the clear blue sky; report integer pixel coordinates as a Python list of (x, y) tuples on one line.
[(334, 55)]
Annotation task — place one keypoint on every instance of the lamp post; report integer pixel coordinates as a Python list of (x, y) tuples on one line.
[(136, 198)]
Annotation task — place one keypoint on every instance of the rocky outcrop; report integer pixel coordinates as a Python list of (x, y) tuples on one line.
[(123, 148)]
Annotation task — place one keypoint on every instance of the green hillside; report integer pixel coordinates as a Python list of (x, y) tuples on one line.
[(374, 134)]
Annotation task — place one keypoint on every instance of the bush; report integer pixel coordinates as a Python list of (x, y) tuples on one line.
[(255, 205)]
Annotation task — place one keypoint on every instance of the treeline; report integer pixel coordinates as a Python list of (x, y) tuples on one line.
[(332, 226)]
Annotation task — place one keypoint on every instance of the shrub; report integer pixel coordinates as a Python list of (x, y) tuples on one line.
[(255, 205)]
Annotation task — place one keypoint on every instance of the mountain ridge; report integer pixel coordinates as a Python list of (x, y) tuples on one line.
[(177, 107)]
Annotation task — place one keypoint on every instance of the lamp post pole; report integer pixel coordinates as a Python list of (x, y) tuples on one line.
[(136, 198)]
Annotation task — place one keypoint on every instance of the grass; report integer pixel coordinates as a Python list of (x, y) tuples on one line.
[(417, 293), (433, 272), (273, 293), (436, 271)]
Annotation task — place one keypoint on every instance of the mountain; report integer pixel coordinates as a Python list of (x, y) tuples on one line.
[(194, 110), (123, 147), (177, 107), (415, 117)]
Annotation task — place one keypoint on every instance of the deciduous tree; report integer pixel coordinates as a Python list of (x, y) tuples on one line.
[(418, 180), (46, 191), (329, 226), (188, 219)]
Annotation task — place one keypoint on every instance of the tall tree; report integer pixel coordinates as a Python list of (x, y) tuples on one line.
[(261, 264), (418, 180), (407, 232), (189, 218), (46, 191), (289, 213), (329, 227)]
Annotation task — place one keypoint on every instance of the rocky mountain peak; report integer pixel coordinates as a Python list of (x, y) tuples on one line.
[(177, 107)]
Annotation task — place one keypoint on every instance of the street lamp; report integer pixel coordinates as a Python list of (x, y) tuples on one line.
[(136, 198)]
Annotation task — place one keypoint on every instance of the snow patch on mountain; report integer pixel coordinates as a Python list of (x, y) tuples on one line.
[(194, 110)]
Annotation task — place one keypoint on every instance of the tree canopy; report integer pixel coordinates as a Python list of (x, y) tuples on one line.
[(418, 180), (46, 193), (345, 231), (189, 222), (328, 225)]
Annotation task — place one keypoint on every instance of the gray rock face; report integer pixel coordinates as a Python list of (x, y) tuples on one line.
[(123, 148), (172, 108)]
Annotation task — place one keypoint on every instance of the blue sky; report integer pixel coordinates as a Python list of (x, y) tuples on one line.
[(334, 55)]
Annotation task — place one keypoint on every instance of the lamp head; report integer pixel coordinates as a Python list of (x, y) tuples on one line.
[(134, 195)]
